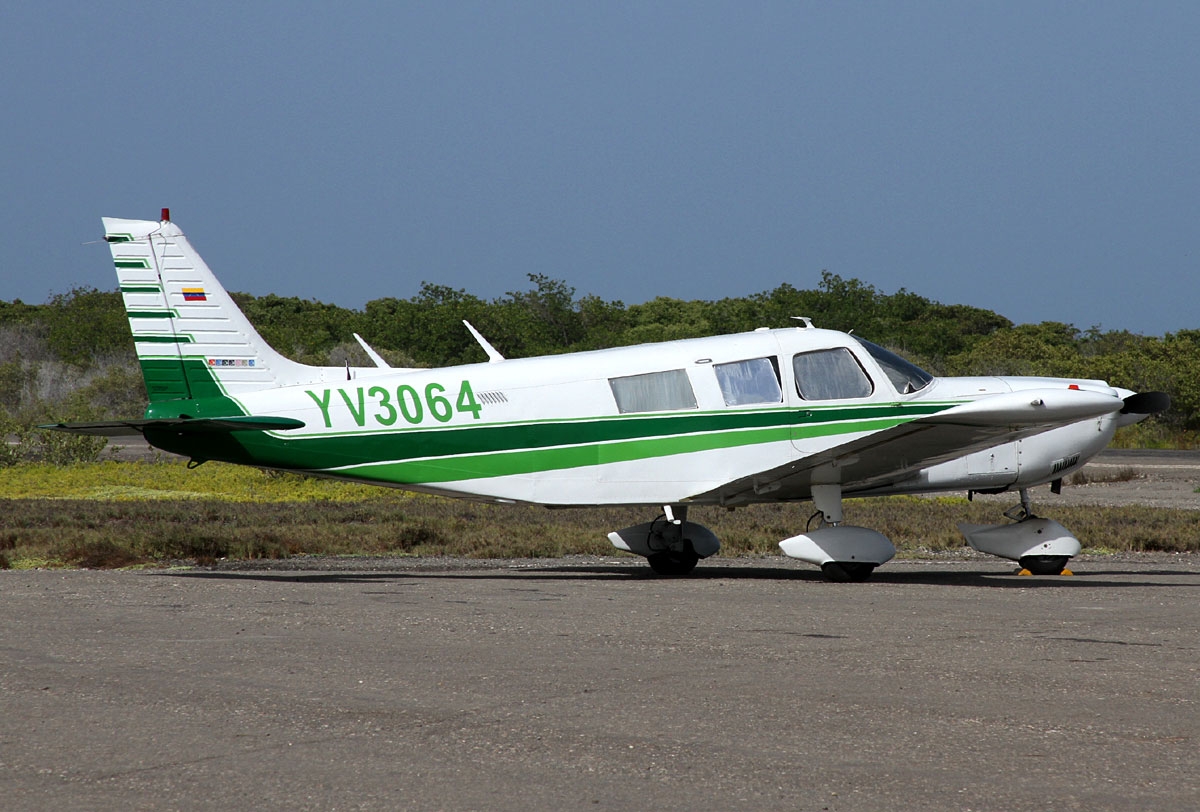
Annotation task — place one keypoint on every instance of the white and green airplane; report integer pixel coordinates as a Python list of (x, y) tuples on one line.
[(773, 415)]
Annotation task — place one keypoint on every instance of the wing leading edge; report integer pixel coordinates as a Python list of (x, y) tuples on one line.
[(894, 454)]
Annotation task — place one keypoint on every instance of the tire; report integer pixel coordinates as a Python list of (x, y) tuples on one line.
[(847, 572), (1045, 564), (672, 564)]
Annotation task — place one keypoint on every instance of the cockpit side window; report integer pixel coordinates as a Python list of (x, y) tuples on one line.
[(653, 392), (906, 376), (832, 374), (755, 380)]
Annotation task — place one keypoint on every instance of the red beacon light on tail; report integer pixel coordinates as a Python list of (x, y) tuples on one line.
[(166, 215)]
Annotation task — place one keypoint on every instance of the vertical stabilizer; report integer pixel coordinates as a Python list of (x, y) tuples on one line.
[(192, 341)]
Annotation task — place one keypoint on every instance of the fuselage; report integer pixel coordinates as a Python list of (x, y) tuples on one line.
[(667, 423)]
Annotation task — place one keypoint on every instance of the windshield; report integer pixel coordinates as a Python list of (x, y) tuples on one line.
[(906, 376)]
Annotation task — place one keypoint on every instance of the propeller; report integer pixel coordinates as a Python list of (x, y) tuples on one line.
[(1147, 403)]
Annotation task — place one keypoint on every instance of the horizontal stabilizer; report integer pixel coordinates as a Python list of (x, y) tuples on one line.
[(197, 425)]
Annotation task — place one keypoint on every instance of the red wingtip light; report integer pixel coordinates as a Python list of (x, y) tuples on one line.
[(166, 215)]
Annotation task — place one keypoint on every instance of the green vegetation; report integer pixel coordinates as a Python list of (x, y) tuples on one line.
[(127, 514), (72, 357), (946, 339)]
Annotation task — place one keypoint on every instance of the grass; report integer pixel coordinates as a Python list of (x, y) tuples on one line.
[(172, 480), (1154, 433), (1123, 474), (133, 514)]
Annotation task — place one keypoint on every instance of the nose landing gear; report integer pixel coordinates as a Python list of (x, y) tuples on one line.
[(1040, 546)]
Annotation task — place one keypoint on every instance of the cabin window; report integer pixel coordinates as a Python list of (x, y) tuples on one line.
[(753, 381), (830, 375), (653, 392), (907, 377)]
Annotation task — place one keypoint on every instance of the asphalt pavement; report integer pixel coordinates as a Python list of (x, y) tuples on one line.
[(586, 683)]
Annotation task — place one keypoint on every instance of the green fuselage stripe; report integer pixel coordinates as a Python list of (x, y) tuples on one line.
[(447, 455), (481, 466), (381, 446)]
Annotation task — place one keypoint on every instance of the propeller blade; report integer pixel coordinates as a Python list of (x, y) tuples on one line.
[(1147, 403)]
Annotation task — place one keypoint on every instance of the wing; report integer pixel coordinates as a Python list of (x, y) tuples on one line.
[(207, 425), (891, 455)]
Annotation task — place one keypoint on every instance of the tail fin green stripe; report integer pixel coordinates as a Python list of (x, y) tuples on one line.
[(164, 379), (146, 339), (180, 379)]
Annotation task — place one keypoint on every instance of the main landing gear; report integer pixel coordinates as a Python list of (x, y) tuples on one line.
[(670, 543), (1040, 546), (845, 553)]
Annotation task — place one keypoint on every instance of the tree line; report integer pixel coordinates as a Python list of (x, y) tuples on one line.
[(72, 357)]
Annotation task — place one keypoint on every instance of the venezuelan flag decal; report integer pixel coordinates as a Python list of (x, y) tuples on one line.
[(194, 295)]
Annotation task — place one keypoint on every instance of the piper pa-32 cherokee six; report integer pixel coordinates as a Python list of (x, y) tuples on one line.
[(773, 415)]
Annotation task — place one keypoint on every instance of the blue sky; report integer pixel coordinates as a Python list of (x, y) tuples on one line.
[(1037, 159)]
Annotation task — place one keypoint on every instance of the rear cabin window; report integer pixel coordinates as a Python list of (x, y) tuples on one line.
[(653, 392), (830, 375), (753, 381)]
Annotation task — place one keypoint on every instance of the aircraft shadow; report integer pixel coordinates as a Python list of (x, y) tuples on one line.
[(989, 579)]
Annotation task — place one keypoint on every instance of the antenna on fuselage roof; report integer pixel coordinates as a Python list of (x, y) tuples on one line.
[(807, 321), (375, 357), (492, 354)]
